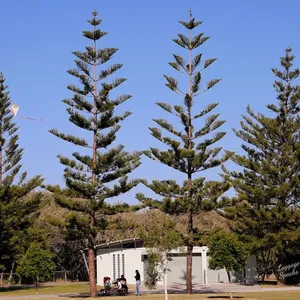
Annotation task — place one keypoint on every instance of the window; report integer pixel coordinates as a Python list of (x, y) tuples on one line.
[(114, 266), (119, 275), (123, 264)]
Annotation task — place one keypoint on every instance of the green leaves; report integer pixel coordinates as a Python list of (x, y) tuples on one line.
[(92, 177), (110, 70), (37, 263), (167, 107), (94, 35), (191, 24), (265, 210), (208, 109), (171, 83), (226, 252), (70, 138), (104, 55), (208, 62), (212, 83), (19, 203), (184, 155), (197, 60)]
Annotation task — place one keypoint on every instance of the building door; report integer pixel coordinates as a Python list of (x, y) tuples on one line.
[(177, 270)]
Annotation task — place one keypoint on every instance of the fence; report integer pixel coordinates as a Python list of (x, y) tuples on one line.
[(9, 279), (60, 276)]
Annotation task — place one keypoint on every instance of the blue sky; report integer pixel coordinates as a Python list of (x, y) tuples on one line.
[(37, 38)]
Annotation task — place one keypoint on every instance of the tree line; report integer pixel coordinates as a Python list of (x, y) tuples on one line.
[(263, 214)]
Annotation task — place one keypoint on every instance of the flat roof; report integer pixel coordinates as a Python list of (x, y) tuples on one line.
[(126, 241)]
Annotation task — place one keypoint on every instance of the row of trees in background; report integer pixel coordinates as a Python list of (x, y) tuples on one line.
[(263, 215)]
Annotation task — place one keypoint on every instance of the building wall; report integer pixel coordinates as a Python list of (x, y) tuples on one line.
[(177, 270), (115, 262), (216, 276)]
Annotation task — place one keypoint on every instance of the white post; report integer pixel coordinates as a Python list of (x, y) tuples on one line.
[(166, 285), (165, 274), (204, 264), (84, 258)]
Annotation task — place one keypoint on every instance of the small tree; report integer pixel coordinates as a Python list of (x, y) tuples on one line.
[(153, 272), (226, 252), (37, 264), (160, 237)]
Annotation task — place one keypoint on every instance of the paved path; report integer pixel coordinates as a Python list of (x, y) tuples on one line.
[(224, 288)]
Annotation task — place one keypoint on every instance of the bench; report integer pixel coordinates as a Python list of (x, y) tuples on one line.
[(122, 292), (106, 291)]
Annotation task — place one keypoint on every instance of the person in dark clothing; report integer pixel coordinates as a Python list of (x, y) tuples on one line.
[(138, 282), (124, 283)]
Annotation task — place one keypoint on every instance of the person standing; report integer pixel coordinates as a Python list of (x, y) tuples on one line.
[(137, 282)]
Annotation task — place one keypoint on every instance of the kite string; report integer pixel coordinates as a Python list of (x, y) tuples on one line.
[(28, 118)]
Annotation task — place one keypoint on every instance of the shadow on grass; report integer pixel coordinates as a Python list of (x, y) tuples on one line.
[(85, 295), (13, 288), (225, 297), (267, 282), (18, 288), (75, 296)]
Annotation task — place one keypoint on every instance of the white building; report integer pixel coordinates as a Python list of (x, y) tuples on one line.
[(125, 256)]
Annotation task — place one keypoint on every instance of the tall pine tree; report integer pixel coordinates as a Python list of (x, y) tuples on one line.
[(18, 203), (266, 211), (191, 151), (94, 176)]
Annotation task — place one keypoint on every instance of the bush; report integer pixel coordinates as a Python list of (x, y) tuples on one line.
[(36, 264)]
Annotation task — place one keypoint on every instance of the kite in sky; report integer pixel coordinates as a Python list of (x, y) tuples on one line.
[(14, 110)]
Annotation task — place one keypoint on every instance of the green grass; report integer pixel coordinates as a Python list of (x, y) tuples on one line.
[(46, 289)]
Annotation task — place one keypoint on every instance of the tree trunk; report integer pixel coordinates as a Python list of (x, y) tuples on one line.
[(229, 279), (11, 272), (189, 258), (91, 253), (189, 264), (92, 279), (1, 164), (229, 276)]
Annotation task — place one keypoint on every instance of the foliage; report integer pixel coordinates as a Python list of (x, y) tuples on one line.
[(192, 150), (36, 264), (69, 258), (266, 211), (18, 203), (152, 273), (93, 177), (159, 236), (226, 252)]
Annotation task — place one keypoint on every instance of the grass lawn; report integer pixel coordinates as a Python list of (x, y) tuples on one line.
[(45, 289), (84, 288)]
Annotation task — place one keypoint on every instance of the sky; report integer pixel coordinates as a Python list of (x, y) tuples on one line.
[(38, 37)]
